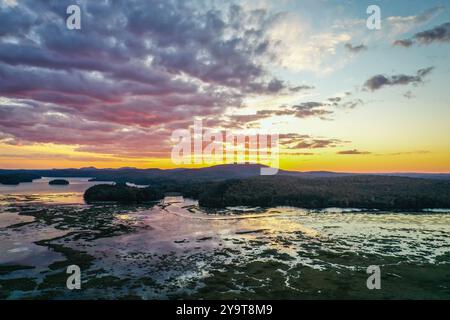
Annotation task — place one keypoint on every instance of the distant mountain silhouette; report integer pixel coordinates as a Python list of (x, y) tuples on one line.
[(213, 173)]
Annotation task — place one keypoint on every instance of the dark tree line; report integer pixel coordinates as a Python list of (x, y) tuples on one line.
[(371, 192)]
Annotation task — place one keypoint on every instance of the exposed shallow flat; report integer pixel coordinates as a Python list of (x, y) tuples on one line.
[(178, 251)]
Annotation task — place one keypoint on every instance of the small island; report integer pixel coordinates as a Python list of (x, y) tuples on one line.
[(121, 193), (59, 182)]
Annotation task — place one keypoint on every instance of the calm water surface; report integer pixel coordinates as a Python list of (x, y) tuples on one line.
[(168, 251)]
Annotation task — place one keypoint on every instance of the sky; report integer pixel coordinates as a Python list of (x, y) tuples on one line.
[(341, 96)]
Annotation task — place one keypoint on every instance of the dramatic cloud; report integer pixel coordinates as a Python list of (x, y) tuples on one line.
[(301, 88), (341, 103), (437, 34), (401, 24), (355, 49), (310, 109), (132, 74), (352, 152), (379, 81), (305, 110), (298, 48), (321, 110), (403, 43), (316, 144), (351, 104), (440, 34), (293, 141)]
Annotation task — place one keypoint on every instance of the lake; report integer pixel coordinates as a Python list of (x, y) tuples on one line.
[(43, 192), (176, 250)]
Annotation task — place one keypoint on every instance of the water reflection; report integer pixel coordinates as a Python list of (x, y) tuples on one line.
[(40, 190), (176, 249)]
